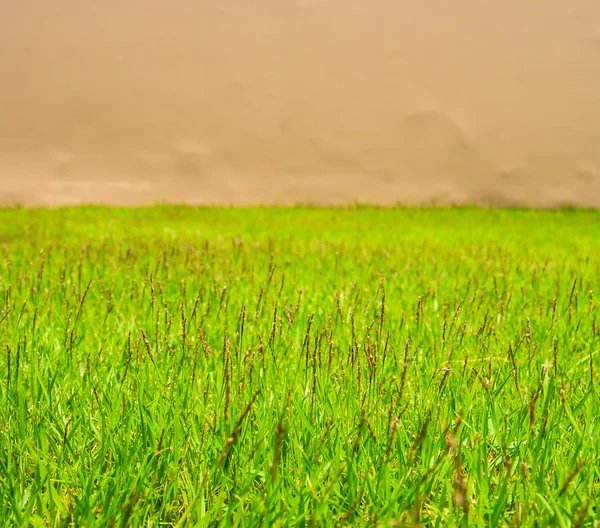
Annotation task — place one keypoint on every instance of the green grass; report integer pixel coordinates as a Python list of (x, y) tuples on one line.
[(384, 367)]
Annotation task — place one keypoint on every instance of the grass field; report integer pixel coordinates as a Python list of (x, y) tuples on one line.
[(304, 367)]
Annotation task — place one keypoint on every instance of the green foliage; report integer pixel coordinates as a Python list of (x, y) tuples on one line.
[(386, 367)]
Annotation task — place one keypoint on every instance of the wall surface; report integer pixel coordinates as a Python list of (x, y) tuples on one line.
[(282, 101)]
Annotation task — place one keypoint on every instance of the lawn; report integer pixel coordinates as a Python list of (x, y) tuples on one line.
[(176, 366)]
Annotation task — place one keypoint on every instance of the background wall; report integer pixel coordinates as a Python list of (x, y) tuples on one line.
[(262, 101)]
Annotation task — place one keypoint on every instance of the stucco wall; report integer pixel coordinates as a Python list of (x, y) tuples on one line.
[(262, 101)]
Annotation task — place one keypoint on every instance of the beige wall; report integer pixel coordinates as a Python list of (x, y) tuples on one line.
[(262, 101)]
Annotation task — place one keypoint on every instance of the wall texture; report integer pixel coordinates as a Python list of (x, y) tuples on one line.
[(281, 101)]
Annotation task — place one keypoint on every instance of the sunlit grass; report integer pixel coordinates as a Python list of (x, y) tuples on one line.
[(387, 367)]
